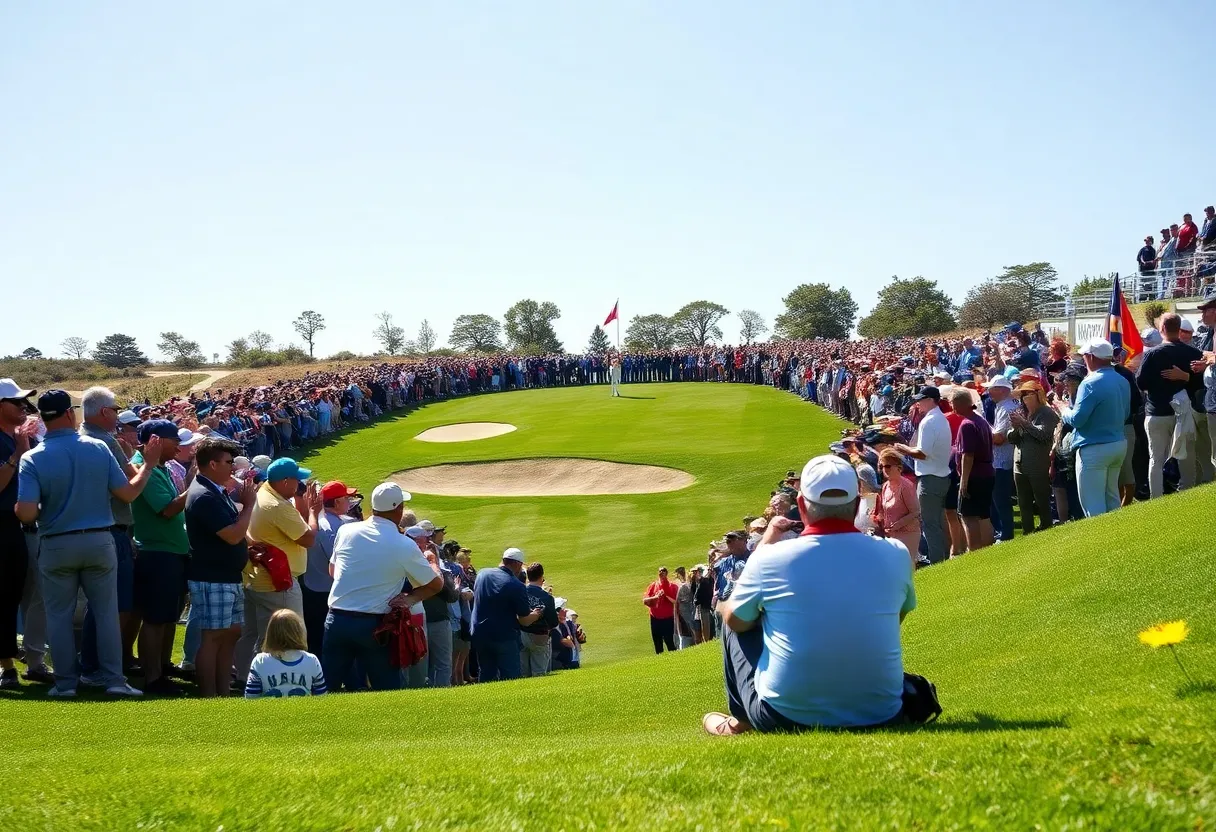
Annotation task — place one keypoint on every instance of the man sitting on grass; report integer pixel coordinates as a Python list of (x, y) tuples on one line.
[(829, 605)]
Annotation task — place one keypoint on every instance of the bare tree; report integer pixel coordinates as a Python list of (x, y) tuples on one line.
[(260, 340), (75, 347), (426, 338), (751, 326)]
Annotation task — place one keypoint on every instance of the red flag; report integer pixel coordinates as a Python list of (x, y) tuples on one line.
[(612, 316), (1120, 326)]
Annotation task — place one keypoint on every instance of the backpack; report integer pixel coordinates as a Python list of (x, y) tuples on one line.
[(920, 700)]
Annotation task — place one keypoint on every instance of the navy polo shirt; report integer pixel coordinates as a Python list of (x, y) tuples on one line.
[(499, 599)]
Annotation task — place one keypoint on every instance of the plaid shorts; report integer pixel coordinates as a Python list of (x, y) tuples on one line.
[(218, 606)]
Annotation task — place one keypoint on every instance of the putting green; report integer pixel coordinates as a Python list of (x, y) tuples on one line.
[(1055, 715)]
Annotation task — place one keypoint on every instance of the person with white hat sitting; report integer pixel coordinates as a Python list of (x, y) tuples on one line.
[(811, 631)]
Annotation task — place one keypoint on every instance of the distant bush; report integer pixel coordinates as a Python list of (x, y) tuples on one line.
[(154, 390), (1153, 310), (344, 355), (43, 372), (255, 358)]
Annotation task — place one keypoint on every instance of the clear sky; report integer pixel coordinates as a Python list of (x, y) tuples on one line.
[(216, 168)]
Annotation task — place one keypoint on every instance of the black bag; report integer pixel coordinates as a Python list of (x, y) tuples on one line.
[(920, 700)]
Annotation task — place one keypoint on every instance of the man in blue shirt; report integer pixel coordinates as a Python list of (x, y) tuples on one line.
[(65, 485), (1097, 416), (500, 607)]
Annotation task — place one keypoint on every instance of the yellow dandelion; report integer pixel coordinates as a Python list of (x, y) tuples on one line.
[(1165, 635)]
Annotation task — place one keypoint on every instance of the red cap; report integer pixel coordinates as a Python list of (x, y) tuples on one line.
[(334, 489)]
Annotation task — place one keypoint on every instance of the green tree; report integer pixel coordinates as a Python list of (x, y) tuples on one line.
[(426, 338), (529, 327), (1038, 284), (751, 326), (1092, 285), (908, 307), (814, 310), (599, 343), (647, 333), (390, 336), (31, 353), (183, 351), (476, 333), (238, 352), (993, 302), (696, 324), (308, 325), (75, 347), (119, 352), (260, 340)]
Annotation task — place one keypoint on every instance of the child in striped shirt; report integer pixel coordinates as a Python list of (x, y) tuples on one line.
[(285, 668)]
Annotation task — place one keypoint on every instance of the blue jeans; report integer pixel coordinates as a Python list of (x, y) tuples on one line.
[(498, 660), (348, 638), (1002, 504), (194, 635), (1098, 469)]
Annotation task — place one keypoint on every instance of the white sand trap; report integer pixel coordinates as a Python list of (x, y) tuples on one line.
[(541, 478), (465, 432)]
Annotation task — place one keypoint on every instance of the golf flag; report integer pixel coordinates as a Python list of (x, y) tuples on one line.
[(612, 316), (1120, 328)]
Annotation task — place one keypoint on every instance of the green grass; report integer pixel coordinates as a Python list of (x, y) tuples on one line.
[(1056, 717)]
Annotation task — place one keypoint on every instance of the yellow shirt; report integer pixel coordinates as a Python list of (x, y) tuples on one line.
[(276, 522)]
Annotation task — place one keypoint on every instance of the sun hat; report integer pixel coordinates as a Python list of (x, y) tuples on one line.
[(387, 496), (1000, 381), (1098, 348), (824, 474), (514, 554), (286, 468), (10, 390)]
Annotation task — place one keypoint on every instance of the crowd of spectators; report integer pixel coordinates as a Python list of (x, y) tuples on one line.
[(1182, 263)]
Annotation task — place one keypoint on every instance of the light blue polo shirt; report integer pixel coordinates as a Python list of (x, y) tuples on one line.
[(1102, 407), (71, 476), (831, 606)]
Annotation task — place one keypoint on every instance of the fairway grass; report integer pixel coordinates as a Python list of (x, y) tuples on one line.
[(1055, 716)]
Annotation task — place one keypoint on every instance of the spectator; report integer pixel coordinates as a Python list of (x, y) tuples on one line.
[(1001, 393), (931, 454), (286, 668), (659, 599), (1127, 472), (279, 524), (703, 600), (500, 607), (316, 581), (216, 529), (65, 484), (1032, 429), (973, 461), (1207, 235), (101, 420), (1188, 235), (15, 439), (537, 648), (561, 639), (1096, 417), (729, 562), (685, 611), (160, 566), (897, 511), (1204, 368), (829, 605), (1147, 256), (371, 561), (1168, 384), (438, 611)]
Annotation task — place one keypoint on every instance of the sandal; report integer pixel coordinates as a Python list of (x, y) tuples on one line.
[(722, 725)]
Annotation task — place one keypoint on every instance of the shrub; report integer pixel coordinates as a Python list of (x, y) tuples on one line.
[(1153, 310)]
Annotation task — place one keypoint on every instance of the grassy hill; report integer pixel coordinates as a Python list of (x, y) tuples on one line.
[(1055, 715)]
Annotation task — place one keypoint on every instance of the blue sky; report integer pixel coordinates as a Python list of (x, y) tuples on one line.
[(252, 160)]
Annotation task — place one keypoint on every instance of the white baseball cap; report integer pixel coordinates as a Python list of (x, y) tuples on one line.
[(10, 390), (129, 417), (559, 603), (414, 532), (1098, 348), (261, 462), (1000, 381), (187, 437), (514, 554), (1186, 326), (241, 463), (829, 473), (387, 496)]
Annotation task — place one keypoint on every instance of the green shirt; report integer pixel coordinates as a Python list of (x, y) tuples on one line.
[(154, 533)]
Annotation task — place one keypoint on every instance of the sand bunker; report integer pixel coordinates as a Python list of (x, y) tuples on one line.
[(465, 432), (541, 478)]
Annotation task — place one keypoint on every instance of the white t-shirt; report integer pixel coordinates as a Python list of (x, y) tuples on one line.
[(933, 437), (371, 561), (298, 673), (829, 606)]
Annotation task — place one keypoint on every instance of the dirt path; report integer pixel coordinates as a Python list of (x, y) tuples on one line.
[(212, 376)]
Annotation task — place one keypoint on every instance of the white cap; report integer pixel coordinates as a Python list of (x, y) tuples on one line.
[(387, 496), (1000, 381), (829, 473), (1187, 326), (414, 532), (187, 437), (261, 462), (514, 554), (1098, 348), (559, 603), (10, 390), (571, 613), (241, 463), (129, 417), (1151, 336)]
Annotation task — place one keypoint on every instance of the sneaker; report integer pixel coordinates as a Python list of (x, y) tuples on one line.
[(123, 690), (39, 675), (163, 686), (61, 693), (9, 678), (92, 680)]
